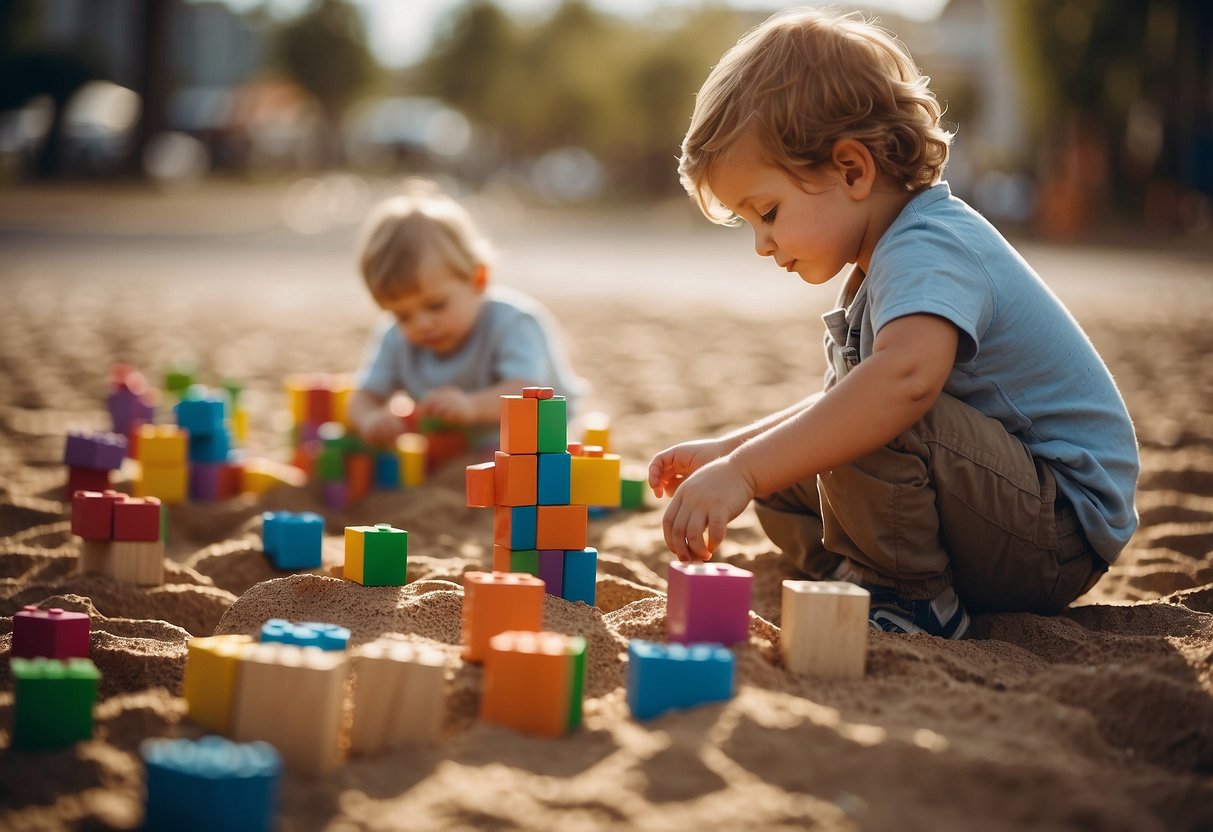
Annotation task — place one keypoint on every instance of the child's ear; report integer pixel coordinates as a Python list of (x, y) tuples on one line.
[(480, 278), (855, 166)]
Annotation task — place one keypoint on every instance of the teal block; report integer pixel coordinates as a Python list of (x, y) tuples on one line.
[(553, 425), (555, 479), (581, 575)]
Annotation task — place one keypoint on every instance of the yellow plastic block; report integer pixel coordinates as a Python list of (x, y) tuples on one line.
[(413, 449), (296, 390), (343, 387), (240, 426), (168, 482), (211, 670), (262, 475), (355, 552), (163, 445), (594, 480), (597, 430)]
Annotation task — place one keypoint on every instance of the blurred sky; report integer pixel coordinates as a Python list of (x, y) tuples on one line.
[(400, 30)]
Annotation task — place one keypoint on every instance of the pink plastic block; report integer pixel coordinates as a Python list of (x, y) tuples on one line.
[(53, 633), (708, 602), (93, 514)]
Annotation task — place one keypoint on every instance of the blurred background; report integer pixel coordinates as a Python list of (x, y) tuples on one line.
[(1074, 118)]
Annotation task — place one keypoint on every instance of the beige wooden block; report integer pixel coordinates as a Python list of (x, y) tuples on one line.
[(94, 557), (139, 562), (292, 698), (399, 696), (825, 628)]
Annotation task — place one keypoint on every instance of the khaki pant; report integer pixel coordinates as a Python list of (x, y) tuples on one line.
[(955, 500)]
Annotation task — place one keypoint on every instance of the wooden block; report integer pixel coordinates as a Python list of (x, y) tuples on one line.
[(138, 562), (515, 479), (538, 392), (708, 602), (479, 487), (519, 425), (533, 682), (551, 570), (825, 628), (496, 602), (211, 668), (561, 527), (359, 475), (399, 696), (292, 697), (667, 677), (594, 480), (94, 557)]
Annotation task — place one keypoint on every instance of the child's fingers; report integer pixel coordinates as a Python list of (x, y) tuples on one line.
[(717, 529), (694, 536)]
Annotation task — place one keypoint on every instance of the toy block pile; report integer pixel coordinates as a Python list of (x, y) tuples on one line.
[(131, 402), (122, 537), (202, 415), (633, 482), (293, 540), (210, 783), (540, 488), (89, 457), (53, 701)]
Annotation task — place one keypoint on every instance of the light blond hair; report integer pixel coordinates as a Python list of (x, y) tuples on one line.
[(402, 230), (800, 82)]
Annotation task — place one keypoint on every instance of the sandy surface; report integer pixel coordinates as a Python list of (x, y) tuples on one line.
[(1100, 718)]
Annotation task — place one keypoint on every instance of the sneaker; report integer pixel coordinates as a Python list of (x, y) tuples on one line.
[(942, 616)]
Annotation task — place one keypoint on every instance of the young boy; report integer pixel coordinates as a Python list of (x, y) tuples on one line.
[(451, 343), (970, 448)]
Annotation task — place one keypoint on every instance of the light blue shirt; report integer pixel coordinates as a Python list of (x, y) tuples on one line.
[(1022, 358), (513, 337)]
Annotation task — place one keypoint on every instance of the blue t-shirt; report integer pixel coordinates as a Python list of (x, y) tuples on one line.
[(1022, 358), (513, 337)]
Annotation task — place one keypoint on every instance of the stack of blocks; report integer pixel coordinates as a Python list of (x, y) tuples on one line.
[(51, 634), (348, 468), (293, 540), (163, 453), (53, 701), (540, 492), (376, 555), (533, 682), (89, 457), (129, 402), (203, 416), (494, 602), (123, 537), (208, 784)]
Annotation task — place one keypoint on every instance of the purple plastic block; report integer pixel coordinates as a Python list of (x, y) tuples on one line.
[(204, 481), (126, 408), (551, 570), (708, 602), (98, 451), (53, 633), (335, 495)]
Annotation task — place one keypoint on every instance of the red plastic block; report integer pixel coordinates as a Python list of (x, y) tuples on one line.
[(137, 519), (53, 633), (515, 479), (480, 479), (93, 514), (86, 479), (538, 392)]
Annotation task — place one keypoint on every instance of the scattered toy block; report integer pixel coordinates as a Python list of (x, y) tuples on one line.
[(825, 628), (496, 602), (53, 701), (163, 445), (533, 682), (515, 479), (708, 602), (413, 449), (561, 527), (666, 677), (168, 482), (387, 471), (633, 492), (292, 697), (97, 451), (480, 485), (262, 475), (51, 634), (514, 526), (293, 540), (137, 519), (307, 634), (208, 784), (597, 430), (580, 575), (554, 479), (93, 514), (519, 425), (212, 667), (552, 425), (399, 696), (359, 475), (376, 555), (594, 480)]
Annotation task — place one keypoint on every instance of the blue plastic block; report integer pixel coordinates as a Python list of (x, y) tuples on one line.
[(201, 416), (387, 471), (555, 479), (666, 677), (210, 783), (599, 512), (212, 447), (524, 520), (580, 575), (292, 540), (307, 634)]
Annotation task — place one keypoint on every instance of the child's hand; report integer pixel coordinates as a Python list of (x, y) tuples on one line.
[(449, 404), (705, 502), (671, 466), (381, 427)]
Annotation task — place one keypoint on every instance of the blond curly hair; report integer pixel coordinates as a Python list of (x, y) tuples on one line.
[(800, 82)]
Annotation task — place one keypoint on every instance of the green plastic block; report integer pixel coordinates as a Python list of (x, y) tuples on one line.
[(53, 701), (525, 560), (385, 556), (576, 680), (631, 493), (330, 465), (553, 425)]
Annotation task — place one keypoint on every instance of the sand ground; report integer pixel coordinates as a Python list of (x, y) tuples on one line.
[(1100, 718)]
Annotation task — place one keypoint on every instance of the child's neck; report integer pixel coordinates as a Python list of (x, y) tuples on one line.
[(886, 203)]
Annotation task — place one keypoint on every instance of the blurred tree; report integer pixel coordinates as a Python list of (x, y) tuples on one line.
[(153, 30), (325, 51)]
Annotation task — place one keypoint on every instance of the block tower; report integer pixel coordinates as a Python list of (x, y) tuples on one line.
[(89, 457), (540, 489), (122, 537)]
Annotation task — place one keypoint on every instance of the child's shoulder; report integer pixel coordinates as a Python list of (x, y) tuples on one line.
[(937, 224)]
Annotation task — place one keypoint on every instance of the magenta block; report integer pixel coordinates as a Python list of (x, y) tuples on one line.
[(551, 570), (53, 633), (708, 602), (204, 481), (98, 451)]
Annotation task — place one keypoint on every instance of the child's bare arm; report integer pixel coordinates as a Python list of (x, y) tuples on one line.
[(879, 399), (371, 418), (462, 407)]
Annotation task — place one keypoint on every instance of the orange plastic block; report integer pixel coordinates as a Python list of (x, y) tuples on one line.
[(480, 480), (516, 478), (519, 424), (538, 392), (359, 476), (531, 682), (595, 480), (561, 527), (496, 602), (501, 558)]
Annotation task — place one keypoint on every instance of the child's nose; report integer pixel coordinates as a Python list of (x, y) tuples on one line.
[(764, 245)]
